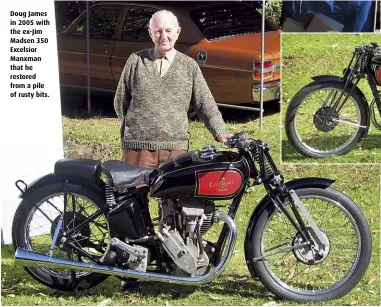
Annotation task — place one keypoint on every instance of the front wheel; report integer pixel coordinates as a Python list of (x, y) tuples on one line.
[(302, 274), (320, 123)]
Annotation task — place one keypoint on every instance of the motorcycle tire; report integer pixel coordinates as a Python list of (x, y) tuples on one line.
[(278, 272), (306, 145), (48, 277)]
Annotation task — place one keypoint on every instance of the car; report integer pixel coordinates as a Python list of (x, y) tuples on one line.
[(223, 37)]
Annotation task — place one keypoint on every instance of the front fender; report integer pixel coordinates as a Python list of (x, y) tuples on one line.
[(327, 78), (51, 178), (311, 182)]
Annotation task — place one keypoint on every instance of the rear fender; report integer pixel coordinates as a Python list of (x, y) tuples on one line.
[(53, 179)]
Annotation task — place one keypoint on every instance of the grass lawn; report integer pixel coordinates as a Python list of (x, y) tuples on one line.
[(98, 138), (305, 56)]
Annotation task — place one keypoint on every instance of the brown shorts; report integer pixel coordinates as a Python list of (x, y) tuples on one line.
[(148, 158)]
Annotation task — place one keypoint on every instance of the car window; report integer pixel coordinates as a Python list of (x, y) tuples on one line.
[(135, 27), (102, 22), (223, 20)]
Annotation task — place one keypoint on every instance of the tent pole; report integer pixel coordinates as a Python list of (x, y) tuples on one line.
[(262, 63), (88, 58)]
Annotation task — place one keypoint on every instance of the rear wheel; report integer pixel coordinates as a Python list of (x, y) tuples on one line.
[(35, 222), (306, 274)]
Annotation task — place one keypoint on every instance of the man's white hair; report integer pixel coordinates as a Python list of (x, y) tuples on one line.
[(164, 13)]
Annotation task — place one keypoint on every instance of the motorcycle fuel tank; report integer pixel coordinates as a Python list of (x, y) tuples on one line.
[(219, 176)]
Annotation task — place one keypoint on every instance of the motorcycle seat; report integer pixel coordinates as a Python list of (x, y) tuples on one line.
[(124, 175)]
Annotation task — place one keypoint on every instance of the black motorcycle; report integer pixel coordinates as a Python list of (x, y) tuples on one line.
[(305, 241), (331, 115)]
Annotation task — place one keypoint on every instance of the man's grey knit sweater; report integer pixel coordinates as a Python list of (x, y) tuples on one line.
[(153, 109)]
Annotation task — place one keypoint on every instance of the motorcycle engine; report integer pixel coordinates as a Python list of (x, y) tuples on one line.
[(182, 224)]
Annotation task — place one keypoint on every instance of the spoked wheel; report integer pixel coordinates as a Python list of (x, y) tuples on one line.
[(316, 127), (312, 272), (35, 223)]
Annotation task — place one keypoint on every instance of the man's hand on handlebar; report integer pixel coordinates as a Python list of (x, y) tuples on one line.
[(224, 138)]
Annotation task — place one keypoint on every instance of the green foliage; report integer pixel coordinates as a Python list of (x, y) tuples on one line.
[(273, 10)]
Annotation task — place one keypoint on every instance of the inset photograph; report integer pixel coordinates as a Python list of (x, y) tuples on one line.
[(331, 102)]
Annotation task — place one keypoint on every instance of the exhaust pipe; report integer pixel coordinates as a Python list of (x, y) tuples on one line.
[(33, 259)]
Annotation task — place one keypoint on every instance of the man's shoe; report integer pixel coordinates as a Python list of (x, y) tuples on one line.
[(128, 284)]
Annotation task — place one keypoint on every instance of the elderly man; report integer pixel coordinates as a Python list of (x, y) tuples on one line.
[(154, 93)]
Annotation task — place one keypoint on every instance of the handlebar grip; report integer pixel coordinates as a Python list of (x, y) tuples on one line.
[(238, 140)]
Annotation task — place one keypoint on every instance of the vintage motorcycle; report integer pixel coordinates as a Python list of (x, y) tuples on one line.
[(305, 241), (331, 115)]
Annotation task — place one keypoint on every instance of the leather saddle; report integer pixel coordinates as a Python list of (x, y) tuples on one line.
[(124, 175)]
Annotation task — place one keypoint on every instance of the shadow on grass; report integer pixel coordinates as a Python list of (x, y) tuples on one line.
[(226, 284), (242, 116), (17, 281), (74, 105), (371, 142)]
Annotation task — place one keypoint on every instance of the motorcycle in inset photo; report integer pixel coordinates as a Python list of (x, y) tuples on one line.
[(331, 115), (305, 241)]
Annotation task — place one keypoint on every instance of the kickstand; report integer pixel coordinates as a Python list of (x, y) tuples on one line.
[(73, 276), (74, 283)]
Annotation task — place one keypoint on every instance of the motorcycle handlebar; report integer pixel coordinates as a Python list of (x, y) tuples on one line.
[(240, 141), (372, 47)]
